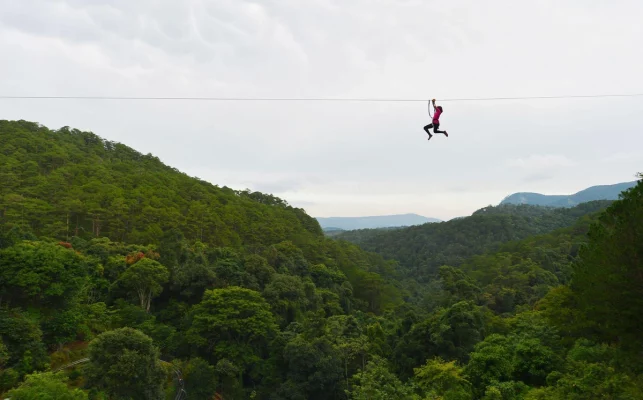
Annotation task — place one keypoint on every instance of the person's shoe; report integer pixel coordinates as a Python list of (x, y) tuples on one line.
[(430, 136), (446, 134)]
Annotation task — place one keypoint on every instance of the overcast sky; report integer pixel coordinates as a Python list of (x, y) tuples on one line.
[(336, 158)]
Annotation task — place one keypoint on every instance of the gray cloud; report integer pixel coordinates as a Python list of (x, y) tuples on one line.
[(537, 177), (344, 158), (276, 187)]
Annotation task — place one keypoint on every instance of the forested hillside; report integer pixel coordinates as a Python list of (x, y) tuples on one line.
[(67, 183), (243, 297), (421, 250), (97, 236)]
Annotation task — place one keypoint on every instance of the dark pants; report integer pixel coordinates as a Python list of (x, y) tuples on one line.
[(435, 125)]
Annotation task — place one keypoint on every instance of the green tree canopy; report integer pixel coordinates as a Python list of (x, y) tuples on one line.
[(125, 364), (376, 382), (608, 277), (233, 323), (46, 386), (146, 277), (40, 274)]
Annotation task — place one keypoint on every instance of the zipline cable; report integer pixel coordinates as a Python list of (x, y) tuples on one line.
[(8, 97)]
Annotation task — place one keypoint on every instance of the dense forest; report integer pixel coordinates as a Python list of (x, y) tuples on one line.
[(122, 278), (422, 249)]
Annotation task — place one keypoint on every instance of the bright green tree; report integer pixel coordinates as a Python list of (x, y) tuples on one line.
[(590, 372), (492, 361), (146, 277), (443, 379), (376, 382), (46, 386)]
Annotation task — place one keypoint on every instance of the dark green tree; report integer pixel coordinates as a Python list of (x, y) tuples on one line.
[(233, 323), (40, 274), (608, 277), (125, 364), (200, 379)]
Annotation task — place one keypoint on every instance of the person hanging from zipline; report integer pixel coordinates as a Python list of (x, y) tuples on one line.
[(437, 111)]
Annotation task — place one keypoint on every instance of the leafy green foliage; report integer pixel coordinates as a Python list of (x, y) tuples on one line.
[(590, 373), (246, 297), (376, 382), (46, 386), (27, 280), (200, 378), (4, 354), (608, 278), (22, 337), (441, 379), (233, 323), (422, 249), (146, 277), (64, 183), (125, 364)]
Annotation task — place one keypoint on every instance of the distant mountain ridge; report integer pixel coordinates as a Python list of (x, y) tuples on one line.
[(421, 250), (373, 222), (599, 192)]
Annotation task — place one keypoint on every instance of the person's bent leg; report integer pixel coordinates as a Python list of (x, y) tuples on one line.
[(435, 130), (426, 129)]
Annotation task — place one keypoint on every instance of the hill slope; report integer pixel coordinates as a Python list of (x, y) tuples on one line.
[(600, 192), (262, 317), (67, 183), (422, 249), (381, 221)]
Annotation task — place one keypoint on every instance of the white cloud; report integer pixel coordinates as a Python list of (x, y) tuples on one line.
[(343, 158), (539, 162), (623, 157)]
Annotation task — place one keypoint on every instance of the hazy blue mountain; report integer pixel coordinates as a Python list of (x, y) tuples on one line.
[(600, 192), (332, 229), (380, 221)]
